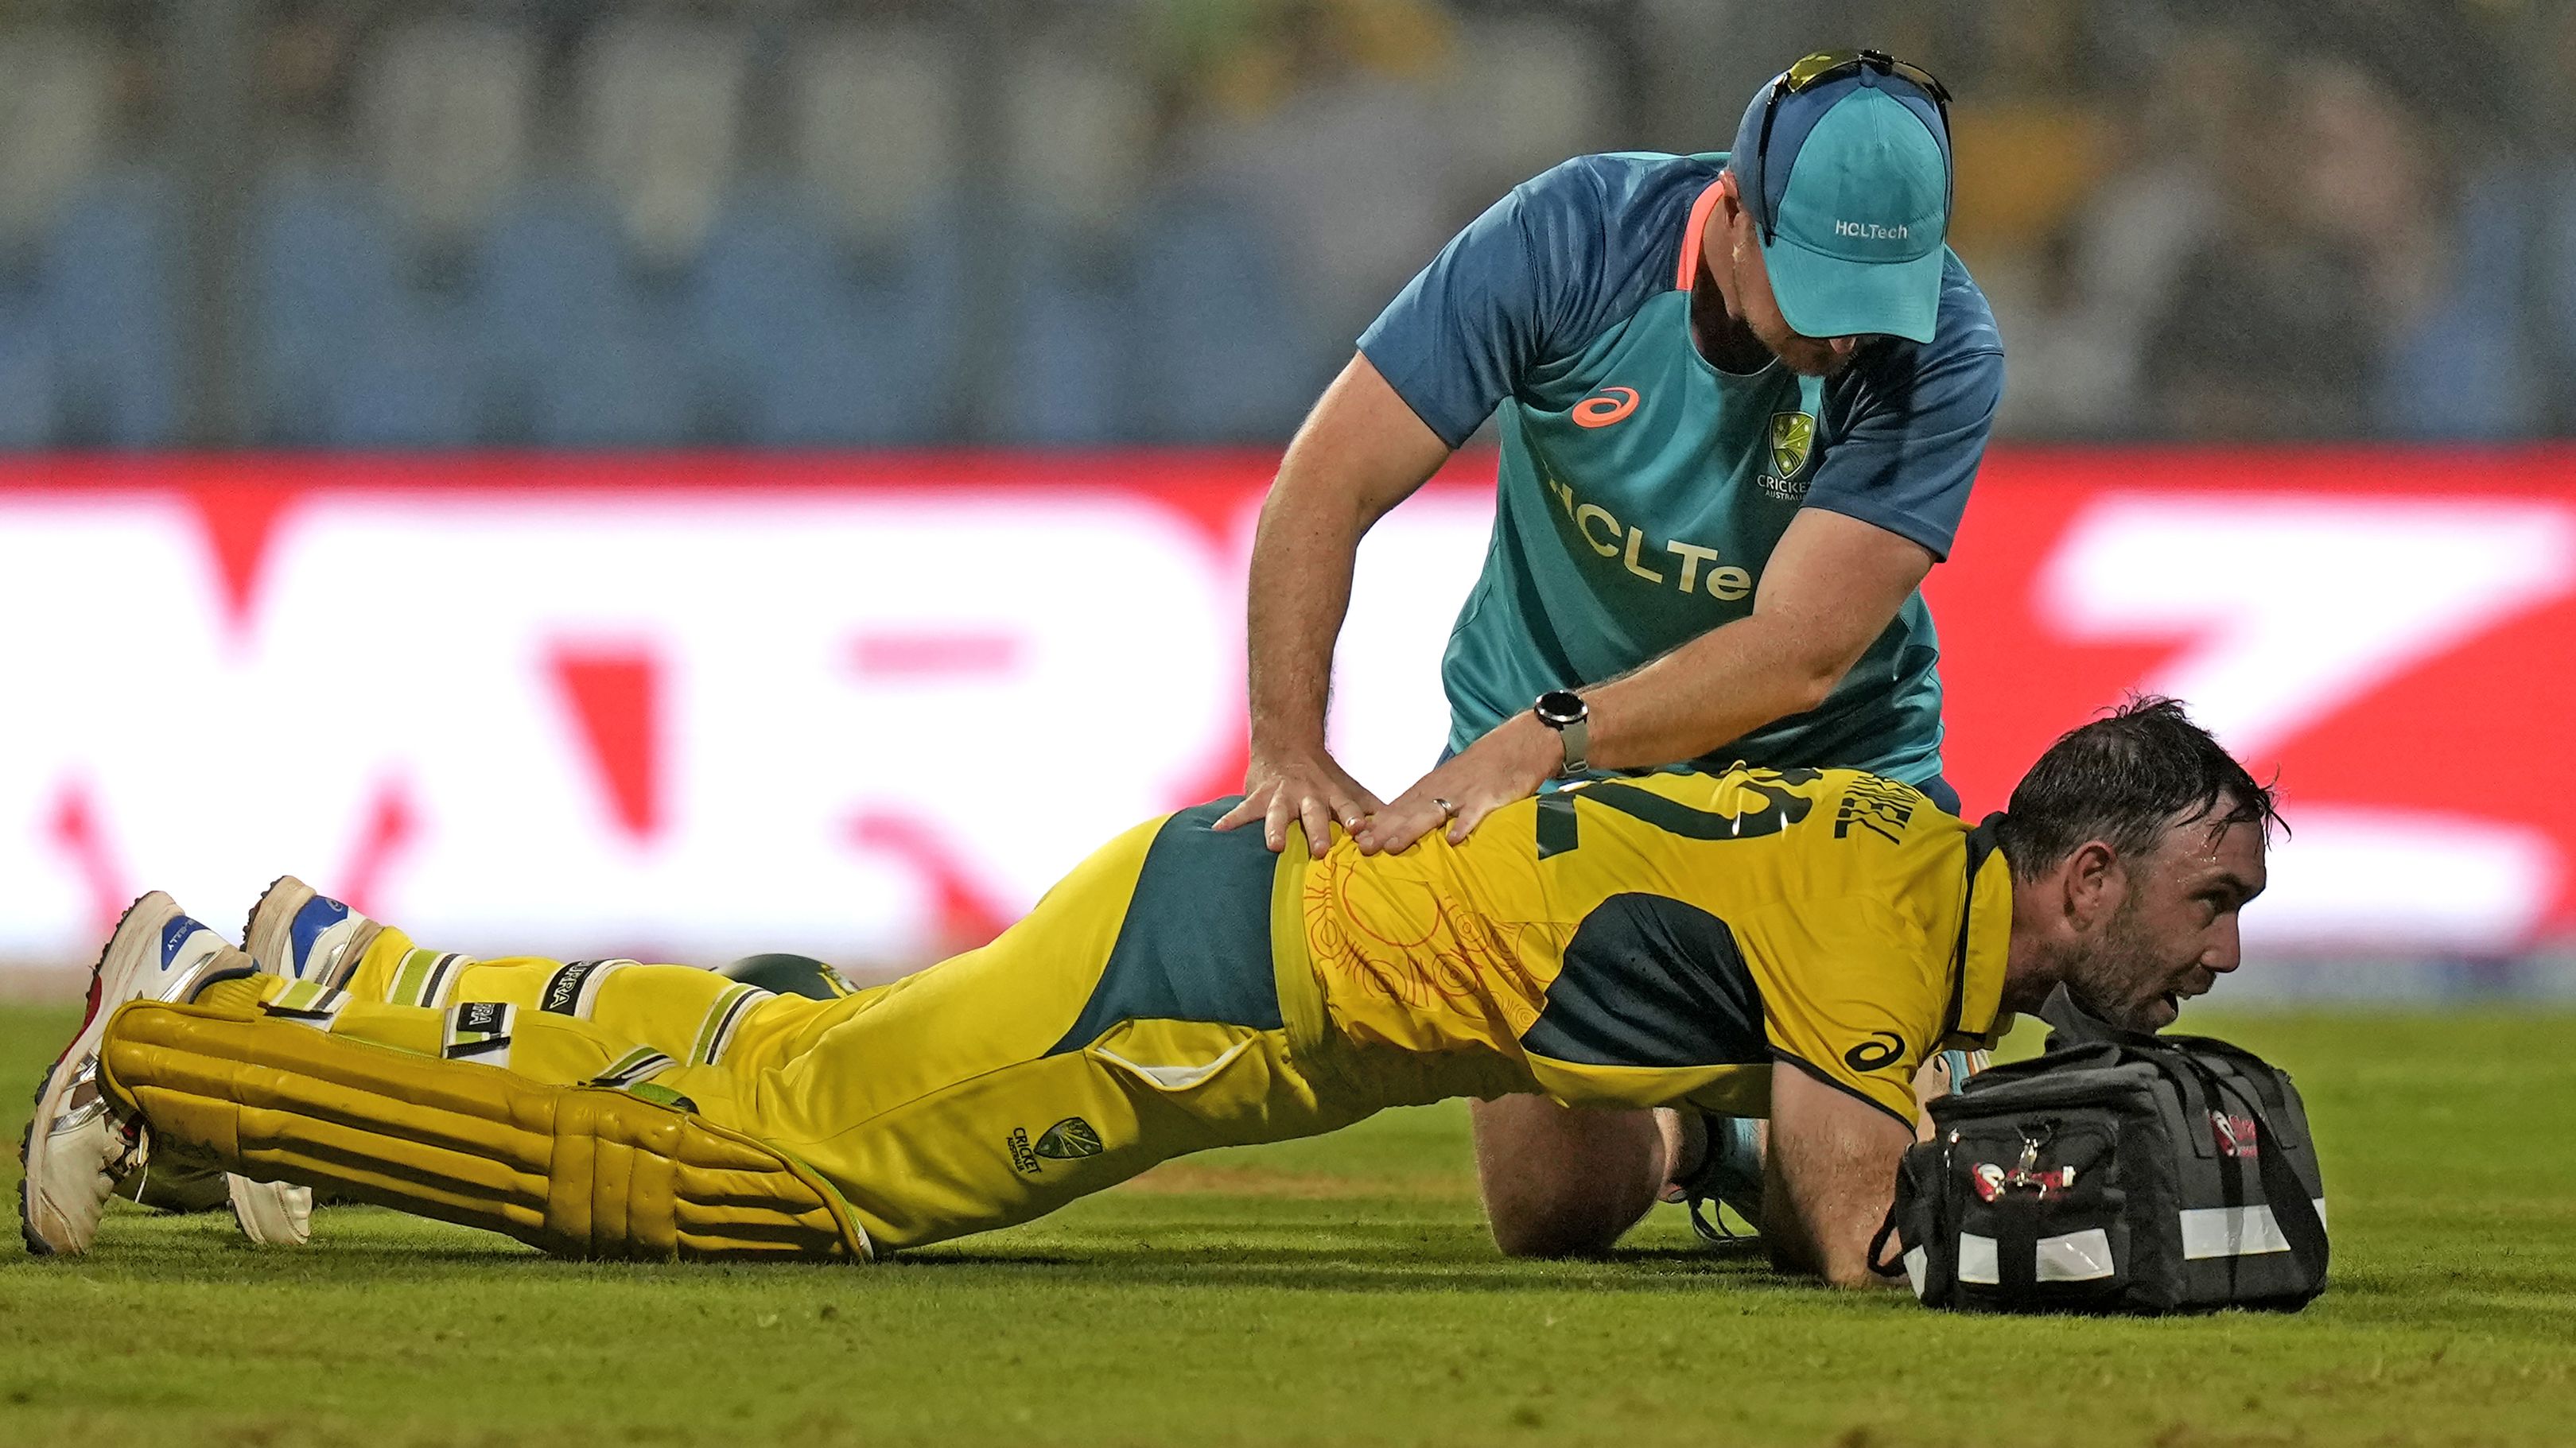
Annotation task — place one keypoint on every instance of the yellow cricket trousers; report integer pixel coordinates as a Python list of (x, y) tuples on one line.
[(1136, 1014)]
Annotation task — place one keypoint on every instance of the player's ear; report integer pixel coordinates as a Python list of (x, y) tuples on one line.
[(2094, 881)]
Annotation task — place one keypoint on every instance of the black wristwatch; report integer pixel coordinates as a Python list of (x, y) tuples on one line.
[(1564, 711)]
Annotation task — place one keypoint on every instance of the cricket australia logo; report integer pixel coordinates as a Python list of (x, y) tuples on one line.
[(1793, 439), (1069, 1140)]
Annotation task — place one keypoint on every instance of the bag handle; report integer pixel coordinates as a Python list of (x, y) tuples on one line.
[(2260, 1076), (2293, 1210), (1879, 1261)]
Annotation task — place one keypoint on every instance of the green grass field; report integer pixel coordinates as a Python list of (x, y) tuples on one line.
[(1344, 1290)]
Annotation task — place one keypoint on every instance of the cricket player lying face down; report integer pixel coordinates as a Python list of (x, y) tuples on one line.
[(1790, 943)]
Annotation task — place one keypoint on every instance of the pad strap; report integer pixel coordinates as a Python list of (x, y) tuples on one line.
[(577, 1171)]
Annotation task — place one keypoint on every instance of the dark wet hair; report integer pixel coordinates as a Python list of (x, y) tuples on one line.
[(2125, 779)]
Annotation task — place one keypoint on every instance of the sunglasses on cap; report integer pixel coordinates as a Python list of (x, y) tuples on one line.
[(1831, 65)]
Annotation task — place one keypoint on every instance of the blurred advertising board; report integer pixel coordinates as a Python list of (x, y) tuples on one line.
[(872, 705)]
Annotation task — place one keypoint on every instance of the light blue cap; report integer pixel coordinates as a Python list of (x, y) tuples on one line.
[(1856, 184)]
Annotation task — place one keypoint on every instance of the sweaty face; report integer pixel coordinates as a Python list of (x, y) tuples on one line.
[(1802, 354), (2174, 932)]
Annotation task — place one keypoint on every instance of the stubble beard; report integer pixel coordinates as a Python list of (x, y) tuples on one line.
[(1801, 354), (2110, 980)]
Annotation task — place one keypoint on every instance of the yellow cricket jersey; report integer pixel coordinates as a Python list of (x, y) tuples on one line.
[(1664, 939)]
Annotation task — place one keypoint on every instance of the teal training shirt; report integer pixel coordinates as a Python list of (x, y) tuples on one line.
[(1642, 489)]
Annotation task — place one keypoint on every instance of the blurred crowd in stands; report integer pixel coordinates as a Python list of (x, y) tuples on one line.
[(794, 222)]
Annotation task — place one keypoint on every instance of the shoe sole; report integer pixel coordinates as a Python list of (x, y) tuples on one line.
[(93, 1028), (36, 1246)]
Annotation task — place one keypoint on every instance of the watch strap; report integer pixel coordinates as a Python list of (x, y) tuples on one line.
[(1578, 748)]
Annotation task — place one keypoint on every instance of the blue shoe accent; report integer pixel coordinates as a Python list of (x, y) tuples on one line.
[(174, 935), (1731, 1173), (1961, 1067), (319, 914)]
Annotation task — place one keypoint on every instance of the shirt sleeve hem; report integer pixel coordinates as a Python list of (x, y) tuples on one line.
[(1913, 528), (1446, 429), (1845, 1087)]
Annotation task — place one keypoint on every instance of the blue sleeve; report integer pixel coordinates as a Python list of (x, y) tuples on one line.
[(1911, 446), (1514, 289)]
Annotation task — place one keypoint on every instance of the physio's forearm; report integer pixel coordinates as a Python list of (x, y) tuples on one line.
[(1302, 557), (1711, 691), (1361, 452)]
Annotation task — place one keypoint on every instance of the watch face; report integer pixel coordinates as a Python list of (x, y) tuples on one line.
[(1561, 707)]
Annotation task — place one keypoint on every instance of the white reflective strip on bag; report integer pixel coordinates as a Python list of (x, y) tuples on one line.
[(2075, 1257), (1976, 1258), (2234, 1231), (1915, 1257)]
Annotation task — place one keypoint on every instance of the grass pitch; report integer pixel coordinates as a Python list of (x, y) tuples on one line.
[(1343, 1290)]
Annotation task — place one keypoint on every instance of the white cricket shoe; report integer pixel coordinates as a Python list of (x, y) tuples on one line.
[(76, 1149)]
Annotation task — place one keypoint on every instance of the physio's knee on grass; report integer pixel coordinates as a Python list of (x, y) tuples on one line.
[(1563, 1183)]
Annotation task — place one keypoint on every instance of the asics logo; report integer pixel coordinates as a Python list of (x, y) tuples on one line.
[(1882, 1048), (1602, 408)]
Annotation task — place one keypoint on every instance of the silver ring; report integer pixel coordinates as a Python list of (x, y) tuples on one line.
[(1448, 810)]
